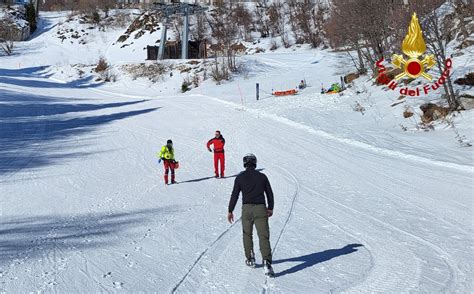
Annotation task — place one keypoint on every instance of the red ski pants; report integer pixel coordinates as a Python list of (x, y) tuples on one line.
[(169, 165), (219, 157)]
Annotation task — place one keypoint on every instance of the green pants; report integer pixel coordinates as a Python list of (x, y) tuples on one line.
[(256, 214)]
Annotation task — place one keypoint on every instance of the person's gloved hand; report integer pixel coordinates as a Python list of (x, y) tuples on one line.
[(159, 160), (210, 150)]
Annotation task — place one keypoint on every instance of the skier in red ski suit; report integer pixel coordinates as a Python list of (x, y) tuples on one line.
[(218, 143)]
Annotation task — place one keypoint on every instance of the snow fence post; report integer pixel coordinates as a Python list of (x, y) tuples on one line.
[(258, 90)]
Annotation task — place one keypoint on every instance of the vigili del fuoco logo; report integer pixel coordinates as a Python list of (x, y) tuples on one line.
[(415, 66)]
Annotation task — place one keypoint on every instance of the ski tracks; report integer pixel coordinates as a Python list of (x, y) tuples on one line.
[(406, 264), (198, 259), (267, 285), (224, 235)]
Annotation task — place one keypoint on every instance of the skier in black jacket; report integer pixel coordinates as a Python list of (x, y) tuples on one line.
[(254, 186)]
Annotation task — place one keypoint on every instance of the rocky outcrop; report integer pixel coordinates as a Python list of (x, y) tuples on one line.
[(433, 112), (147, 22)]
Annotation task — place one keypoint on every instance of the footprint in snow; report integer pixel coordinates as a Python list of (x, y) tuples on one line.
[(118, 285), (148, 233), (107, 275)]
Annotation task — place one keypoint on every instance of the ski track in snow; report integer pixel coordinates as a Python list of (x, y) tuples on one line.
[(376, 280), (198, 259), (400, 258), (351, 142), (287, 220), (389, 192), (382, 279), (382, 276)]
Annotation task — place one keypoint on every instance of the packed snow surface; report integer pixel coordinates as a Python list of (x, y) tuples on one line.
[(361, 206)]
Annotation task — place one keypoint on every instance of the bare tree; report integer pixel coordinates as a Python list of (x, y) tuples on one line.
[(463, 9), (224, 31), (177, 26), (342, 31), (276, 20), (244, 21), (437, 37), (200, 28), (261, 19), (376, 36), (107, 5), (306, 19)]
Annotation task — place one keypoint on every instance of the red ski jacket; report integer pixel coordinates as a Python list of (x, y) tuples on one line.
[(218, 144)]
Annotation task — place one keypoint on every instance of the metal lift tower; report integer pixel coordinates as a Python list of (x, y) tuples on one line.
[(169, 10)]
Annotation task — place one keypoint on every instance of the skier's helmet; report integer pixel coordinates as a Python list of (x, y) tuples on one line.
[(169, 142), (250, 160)]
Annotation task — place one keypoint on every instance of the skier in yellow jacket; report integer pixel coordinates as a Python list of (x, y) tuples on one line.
[(167, 155)]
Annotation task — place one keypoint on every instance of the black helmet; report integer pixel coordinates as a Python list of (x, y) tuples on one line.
[(250, 160), (169, 142)]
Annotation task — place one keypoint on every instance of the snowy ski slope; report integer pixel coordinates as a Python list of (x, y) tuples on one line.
[(83, 207)]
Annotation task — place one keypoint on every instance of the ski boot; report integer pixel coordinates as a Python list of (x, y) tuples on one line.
[(267, 267), (251, 260)]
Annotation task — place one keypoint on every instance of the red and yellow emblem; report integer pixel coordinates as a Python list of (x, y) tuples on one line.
[(414, 46)]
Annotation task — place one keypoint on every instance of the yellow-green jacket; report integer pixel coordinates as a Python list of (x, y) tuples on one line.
[(166, 153)]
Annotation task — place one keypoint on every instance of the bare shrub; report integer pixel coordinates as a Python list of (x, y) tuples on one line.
[(102, 65), (220, 71), (196, 80), (358, 107), (273, 45), (407, 112), (108, 76), (104, 70), (153, 72), (461, 139), (186, 85), (7, 44)]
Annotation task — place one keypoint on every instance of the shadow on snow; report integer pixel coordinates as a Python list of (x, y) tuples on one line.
[(213, 177), (29, 237), (14, 77), (34, 134), (310, 260)]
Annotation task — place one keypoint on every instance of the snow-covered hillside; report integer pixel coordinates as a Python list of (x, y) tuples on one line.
[(364, 201)]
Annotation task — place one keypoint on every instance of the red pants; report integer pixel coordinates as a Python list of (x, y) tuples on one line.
[(169, 165), (219, 157)]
